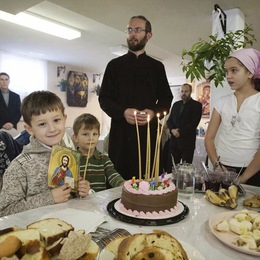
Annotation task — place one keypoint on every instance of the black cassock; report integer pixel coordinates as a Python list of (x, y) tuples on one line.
[(133, 82)]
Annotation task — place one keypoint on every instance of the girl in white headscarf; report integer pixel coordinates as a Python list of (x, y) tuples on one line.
[(236, 119)]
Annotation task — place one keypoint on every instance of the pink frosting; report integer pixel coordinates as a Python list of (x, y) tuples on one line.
[(144, 188), (154, 214)]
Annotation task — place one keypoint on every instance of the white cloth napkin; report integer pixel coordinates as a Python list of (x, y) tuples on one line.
[(79, 219)]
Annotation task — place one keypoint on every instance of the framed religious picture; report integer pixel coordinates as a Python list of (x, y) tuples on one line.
[(63, 167), (203, 96), (77, 89)]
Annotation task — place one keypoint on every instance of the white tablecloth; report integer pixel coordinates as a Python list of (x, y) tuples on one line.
[(194, 229)]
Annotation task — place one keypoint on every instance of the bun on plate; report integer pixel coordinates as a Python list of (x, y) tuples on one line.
[(158, 245), (9, 246)]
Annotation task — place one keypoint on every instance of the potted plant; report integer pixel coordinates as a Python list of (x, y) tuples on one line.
[(63, 85), (207, 58)]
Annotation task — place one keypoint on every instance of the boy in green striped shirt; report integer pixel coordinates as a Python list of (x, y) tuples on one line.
[(96, 166)]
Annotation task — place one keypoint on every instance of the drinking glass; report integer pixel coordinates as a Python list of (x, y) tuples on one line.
[(228, 178), (185, 179), (213, 180), (199, 180)]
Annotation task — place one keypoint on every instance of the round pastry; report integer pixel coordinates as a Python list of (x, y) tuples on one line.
[(9, 246)]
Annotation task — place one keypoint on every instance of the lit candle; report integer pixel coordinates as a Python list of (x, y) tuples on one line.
[(158, 150), (156, 145), (148, 149), (163, 124), (138, 145)]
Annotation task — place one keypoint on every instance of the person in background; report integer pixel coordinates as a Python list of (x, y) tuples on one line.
[(134, 83), (236, 119), (25, 184), (9, 149), (182, 123), (10, 104), (100, 170)]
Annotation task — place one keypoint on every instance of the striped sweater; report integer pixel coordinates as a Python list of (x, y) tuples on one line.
[(100, 172)]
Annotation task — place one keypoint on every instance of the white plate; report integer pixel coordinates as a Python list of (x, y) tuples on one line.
[(229, 238), (192, 253), (179, 210), (79, 219)]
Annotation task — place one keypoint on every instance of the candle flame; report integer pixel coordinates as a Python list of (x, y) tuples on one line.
[(164, 113), (158, 115), (135, 113)]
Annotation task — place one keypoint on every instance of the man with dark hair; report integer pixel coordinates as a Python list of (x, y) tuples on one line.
[(10, 104), (134, 86), (183, 121)]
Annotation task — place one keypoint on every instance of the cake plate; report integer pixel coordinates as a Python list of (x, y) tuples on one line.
[(112, 210)]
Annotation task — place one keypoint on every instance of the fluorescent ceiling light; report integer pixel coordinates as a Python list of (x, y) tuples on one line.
[(41, 24), (119, 50)]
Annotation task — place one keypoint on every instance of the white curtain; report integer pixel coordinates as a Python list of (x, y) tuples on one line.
[(26, 74)]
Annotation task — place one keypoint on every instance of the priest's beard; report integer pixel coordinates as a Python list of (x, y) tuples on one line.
[(136, 47)]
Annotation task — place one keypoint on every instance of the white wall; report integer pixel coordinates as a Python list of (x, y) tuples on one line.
[(72, 112)]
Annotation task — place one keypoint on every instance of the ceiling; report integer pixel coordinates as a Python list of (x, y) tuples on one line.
[(177, 24)]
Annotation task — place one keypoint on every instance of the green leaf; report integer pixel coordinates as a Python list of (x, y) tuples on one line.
[(215, 51)]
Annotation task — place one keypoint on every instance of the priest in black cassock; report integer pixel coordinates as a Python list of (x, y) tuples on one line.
[(133, 83)]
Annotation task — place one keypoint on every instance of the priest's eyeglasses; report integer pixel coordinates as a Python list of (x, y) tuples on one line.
[(129, 30)]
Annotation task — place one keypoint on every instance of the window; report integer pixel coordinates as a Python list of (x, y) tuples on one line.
[(26, 74)]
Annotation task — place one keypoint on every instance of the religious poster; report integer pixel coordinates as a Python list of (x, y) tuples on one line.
[(97, 79), (63, 167), (77, 89), (203, 96)]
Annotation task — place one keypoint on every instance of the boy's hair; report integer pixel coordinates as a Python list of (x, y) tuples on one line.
[(4, 74), (39, 102), (89, 121)]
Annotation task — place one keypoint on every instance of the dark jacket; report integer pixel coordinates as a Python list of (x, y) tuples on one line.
[(9, 149), (187, 122), (12, 112)]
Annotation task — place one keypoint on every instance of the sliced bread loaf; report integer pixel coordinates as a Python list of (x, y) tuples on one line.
[(9, 246), (158, 245), (9, 229), (153, 253), (74, 246), (41, 254), (130, 246), (24, 235), (164, 240), (51, 229), (92, 251)]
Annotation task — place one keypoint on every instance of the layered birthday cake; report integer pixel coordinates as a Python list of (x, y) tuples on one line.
[(140, 198)]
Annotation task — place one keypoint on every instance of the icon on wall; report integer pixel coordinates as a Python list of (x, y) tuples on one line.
[(77, 89), (97, 78), (203, 90)]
